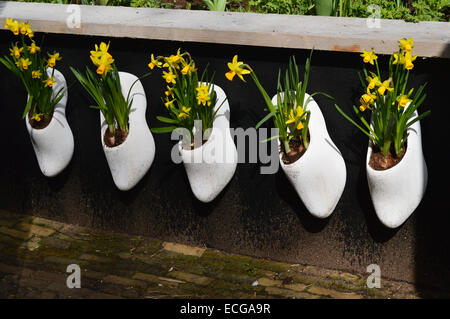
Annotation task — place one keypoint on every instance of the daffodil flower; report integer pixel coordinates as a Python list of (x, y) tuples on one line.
[(373, 82), (23, 64), (409, 59), (368, 98), (104, 65), (173, 60), (235, 69), (16, 51), (368, 56), (8, 23), (52, 59), (364, 106), (403, 101), (406, 44), (33, 48), (14, 26), (185, 112), (49, 82), (386, 85), (36, 74), (154, 63), (169, 77), (294, 117), (23, 27), (169, 91), (168, 102)]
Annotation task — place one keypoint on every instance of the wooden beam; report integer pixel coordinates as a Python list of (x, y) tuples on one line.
[(432, 39)]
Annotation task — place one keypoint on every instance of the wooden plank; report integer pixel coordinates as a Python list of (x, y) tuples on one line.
[(432, 39)]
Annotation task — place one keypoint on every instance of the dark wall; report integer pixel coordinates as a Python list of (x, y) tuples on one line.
[(258, 215)]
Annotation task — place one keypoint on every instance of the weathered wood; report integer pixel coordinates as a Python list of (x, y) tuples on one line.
[(432, 39)]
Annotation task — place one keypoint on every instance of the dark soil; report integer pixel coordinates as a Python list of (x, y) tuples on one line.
[(113, 140), (39, 125), (297, 150), (379, 162)]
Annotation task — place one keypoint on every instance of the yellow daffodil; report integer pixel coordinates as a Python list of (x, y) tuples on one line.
[(23, 27), (173, 60), (235, 69), (30, 33), (188, 69), (52, 59), (16, 51), (23, 64), (14, 26), (409, 59), (169, 77), (36, 117), (49, 82), (406, 44), (33, 48), (386, 85), (399, 58), (294, 117), (403, 101), (36, 74), (8, 22), (203, 95), (105, 65), (102, 59), (168, 102), (368, 56), (364, 106), (169, 91), (373, 82), (154, 63), (368, 98), (185, 112)]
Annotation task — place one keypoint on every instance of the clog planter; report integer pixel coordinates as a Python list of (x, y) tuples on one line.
[(319, 175), (211, 166), (53, 144), (131, 160), (397, 191)]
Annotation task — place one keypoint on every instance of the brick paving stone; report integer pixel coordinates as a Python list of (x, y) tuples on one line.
[(56, 243), (120, 265), (47, 222), (64, 261), (95, 258), (15, 233), (333, 293), (157, 279), (289, 293), (183, 249), (196, 279), (122, 281), (266, 282), (35, 229), (296, 287)]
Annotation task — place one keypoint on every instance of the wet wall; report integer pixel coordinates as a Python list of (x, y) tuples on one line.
[(257, 215)]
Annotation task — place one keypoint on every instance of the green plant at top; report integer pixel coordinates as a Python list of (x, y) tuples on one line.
[(390, 102), (105, 89), (188, 98), (26, 62), (281, 6), (216, 5), (290, 114)]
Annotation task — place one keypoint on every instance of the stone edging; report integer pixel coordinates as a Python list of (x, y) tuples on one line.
[(432, 39)]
